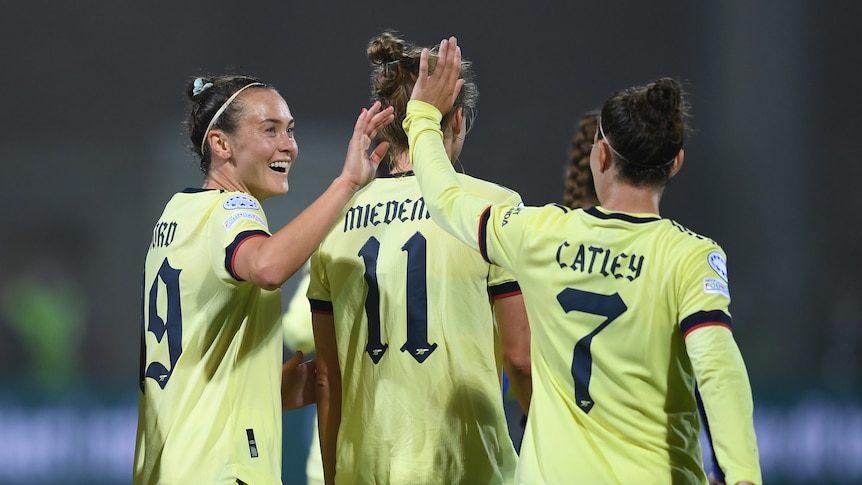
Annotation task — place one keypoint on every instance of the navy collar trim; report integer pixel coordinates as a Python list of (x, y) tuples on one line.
[(595, 212)]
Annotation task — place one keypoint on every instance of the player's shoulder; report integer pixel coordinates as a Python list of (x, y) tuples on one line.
[(238, 201), (683, 237), (225, 208), (489, 189), (216, 198)]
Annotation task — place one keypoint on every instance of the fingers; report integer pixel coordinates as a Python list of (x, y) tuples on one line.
[(378, 153), (456, 61), (442, 87), (294, 361), (365, 115), (423, 66), (448, 61), (451, 65), (379, 120), (372, 119)]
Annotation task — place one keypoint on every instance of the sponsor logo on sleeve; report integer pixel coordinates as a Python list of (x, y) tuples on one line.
[(509, 213), (236, 216), (715, 286), (717, 263), (241, 201)]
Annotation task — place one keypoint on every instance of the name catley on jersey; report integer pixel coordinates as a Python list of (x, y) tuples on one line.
[(415, 332), (210, 409)]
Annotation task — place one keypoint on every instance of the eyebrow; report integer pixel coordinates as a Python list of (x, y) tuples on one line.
[(277, 121)]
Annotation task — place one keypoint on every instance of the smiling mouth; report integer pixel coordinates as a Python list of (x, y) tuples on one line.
[(280, 167)]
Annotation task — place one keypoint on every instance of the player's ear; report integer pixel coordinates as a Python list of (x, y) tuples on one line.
[(605, 157), (677, 162), (219, 144), (457, 119)]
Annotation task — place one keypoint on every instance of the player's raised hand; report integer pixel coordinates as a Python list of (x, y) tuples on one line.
[(442, 86), (359, 165)]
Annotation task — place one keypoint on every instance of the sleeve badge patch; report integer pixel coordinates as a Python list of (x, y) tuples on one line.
[(717, 263), (241, 201), (236, 216), (714, 286)]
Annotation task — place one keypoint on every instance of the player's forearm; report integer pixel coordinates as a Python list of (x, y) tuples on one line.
[(328, 390), (328, 421), (451, 207), (726, 394), (521, 381), (283, 254), (514, 336)]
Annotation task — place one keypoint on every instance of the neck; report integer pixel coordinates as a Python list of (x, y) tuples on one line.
[(218, 180), (402, 163), (626, 198)]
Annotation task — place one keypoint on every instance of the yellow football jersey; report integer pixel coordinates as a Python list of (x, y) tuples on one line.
[(421, 399), (625, 311), (211, 350)]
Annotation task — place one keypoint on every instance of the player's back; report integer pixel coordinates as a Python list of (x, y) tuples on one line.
[(211, 354), (613, 386), (421, 398)]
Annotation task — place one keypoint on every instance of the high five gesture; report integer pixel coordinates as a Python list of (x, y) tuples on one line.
[(441, 87)]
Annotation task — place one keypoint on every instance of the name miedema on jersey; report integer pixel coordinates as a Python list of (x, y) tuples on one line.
[(595, 259), (362, 216)]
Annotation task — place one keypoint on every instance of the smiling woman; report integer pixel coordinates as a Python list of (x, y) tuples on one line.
[(211, 373), (248, 144)]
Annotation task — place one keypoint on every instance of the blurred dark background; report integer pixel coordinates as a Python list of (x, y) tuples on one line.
[(92, 102)]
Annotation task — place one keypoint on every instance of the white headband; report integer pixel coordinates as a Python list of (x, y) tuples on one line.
[(221, 110)]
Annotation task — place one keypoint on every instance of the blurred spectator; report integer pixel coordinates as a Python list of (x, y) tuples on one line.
[(43, 306)]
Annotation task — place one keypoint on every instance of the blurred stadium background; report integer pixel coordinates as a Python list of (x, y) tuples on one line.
[(93, 145)]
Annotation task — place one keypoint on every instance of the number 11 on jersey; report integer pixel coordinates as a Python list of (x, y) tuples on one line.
[(417, 300)]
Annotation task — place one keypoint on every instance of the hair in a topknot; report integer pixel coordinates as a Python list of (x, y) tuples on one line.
[(395, 71), (205, 98), (646, 126), (580, 187)]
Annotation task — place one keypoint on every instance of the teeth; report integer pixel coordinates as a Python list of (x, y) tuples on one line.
[(279, 164)]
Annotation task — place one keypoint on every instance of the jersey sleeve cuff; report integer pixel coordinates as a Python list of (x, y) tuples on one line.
[(320, 306), (230, 251), (505, 290)]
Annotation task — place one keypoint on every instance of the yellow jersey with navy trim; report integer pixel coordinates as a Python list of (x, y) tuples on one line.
[(416, 338), (627, 312), (211, 349)]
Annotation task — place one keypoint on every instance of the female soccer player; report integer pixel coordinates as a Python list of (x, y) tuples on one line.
[(212, 382), (627, 309), (404, 324), (581, 193)]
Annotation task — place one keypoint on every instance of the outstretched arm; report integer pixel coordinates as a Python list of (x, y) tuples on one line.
[(451, 207), (269, 262)]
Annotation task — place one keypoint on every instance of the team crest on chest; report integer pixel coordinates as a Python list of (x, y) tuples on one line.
[(717, 263), (240, 201)]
